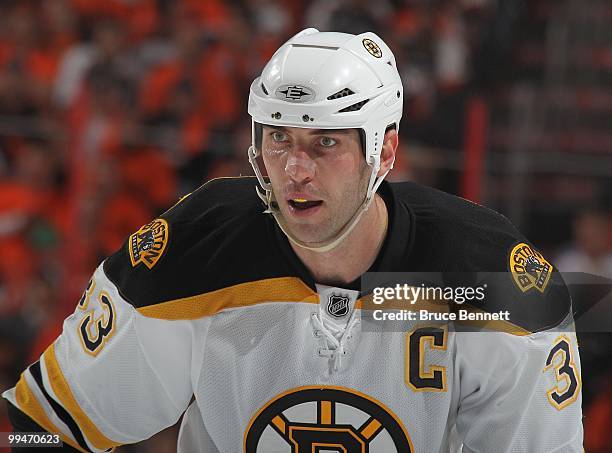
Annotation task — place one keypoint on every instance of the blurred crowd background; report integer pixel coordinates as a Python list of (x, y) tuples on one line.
[(112, 109)]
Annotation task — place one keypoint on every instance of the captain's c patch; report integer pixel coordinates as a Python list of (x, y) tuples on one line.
[(529, 268), (147, 245)]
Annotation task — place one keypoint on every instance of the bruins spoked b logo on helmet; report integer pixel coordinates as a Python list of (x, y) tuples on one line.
[(372, 48), (317, 419)]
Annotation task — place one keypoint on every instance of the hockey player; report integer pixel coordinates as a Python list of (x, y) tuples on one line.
[(252, 324)]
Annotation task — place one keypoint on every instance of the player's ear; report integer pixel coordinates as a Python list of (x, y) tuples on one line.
[(387, 154)]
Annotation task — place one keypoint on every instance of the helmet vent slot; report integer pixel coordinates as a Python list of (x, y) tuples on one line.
[(312, 46), (354, 107), (340, 94), (263, 87)]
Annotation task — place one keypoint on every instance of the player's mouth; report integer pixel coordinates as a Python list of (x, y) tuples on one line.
[(303, 206)]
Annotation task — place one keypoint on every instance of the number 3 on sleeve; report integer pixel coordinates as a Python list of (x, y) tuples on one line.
[(567, 374)]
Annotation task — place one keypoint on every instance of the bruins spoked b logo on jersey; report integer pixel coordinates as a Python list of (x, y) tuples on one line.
[(148, 244), (325, 419), (529, 268)]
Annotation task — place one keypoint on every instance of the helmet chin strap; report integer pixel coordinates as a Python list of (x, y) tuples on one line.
[(320, 247), (268, 197)]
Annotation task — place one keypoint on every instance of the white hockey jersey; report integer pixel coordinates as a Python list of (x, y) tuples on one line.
[(206, 311)]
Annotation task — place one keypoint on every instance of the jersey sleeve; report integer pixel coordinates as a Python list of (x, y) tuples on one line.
[(519, 393), (114, 376)]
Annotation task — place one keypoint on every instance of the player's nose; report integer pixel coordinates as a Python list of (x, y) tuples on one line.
[(300, 167)]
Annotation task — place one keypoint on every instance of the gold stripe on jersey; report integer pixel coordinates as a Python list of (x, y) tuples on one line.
[(28, 403), (326, 412), (280, 424), (281, 289), (371, 428), (66, 398)]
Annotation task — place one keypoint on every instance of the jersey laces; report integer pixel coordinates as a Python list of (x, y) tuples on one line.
[(335, 337)]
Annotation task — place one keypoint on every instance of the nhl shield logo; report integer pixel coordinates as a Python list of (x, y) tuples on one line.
[(338, 306)]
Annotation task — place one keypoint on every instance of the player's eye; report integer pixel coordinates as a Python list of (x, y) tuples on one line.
[(327, 142), (278, 136)]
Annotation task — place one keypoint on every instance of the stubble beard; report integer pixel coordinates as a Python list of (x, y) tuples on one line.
[(335, 216)]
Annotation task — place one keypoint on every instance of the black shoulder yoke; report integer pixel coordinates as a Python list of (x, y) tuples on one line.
[(475, 245), (216, 237)]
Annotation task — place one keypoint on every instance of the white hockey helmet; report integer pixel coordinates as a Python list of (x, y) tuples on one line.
[(328, 80)]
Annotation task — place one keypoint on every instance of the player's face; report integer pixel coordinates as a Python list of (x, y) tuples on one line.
[(319, 177)]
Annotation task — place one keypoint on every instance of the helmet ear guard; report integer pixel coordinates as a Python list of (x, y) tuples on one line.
[(328, 81)]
